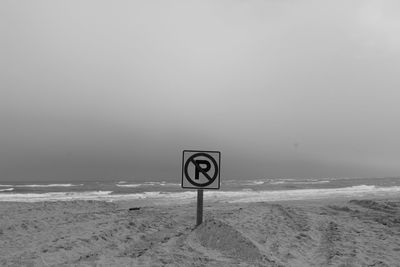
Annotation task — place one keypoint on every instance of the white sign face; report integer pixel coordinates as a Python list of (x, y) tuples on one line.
[(201, 169)]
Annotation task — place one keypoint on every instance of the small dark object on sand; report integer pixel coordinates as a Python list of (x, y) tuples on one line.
[(136, 208)]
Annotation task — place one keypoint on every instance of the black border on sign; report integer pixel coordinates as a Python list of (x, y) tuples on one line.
[(219, 169)]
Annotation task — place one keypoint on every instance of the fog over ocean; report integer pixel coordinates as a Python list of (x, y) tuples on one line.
[(101, 89)]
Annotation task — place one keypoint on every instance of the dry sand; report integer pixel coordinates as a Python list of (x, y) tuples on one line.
[(90, 233)]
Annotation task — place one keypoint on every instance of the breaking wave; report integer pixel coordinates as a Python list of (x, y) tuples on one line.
[(129, 185), (147, 184), (7, 189), (55, 196), (295, 181), (48, 185)]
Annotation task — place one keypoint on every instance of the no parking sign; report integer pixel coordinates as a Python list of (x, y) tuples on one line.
[(201, 169)]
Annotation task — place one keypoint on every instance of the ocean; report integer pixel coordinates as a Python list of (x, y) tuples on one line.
[(161, 192)]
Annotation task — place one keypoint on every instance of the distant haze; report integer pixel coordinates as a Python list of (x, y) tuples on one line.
[(102, 90)]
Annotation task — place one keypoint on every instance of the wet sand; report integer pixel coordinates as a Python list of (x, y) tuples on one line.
[(91, 233)]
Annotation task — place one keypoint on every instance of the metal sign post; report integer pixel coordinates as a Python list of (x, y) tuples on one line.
[(199, 218), (201, 170)]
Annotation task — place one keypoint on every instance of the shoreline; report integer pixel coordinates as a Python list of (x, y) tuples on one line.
[(186, 196)]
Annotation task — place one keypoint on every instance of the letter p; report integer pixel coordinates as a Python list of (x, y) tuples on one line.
[(200, 167)]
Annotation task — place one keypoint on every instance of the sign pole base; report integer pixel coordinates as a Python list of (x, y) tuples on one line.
[(199, 219)]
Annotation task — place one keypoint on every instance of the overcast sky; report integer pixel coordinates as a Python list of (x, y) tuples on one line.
[(117, 89)]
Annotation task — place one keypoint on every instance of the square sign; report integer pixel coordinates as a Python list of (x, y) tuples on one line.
[(201, 169)]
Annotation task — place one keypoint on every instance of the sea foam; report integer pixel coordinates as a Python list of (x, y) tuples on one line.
[(6, 189), (148, 184), (227, 196), (48, 185)]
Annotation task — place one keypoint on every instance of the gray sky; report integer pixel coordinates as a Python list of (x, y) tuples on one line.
[(117, 89)]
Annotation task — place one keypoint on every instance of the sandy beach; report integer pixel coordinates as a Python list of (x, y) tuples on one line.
[(93, 233)]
